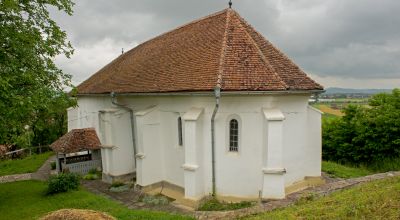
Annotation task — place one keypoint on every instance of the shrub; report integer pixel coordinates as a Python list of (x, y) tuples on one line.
[(93, 174), (90, 176), (53, 165), (94, 171), (365, 135), (62, 182), (117, 184)]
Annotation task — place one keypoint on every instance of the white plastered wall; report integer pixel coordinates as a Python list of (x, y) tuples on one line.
[(238, 174)]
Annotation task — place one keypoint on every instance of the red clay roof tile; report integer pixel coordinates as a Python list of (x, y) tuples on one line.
[(220, 48), (77, 140)]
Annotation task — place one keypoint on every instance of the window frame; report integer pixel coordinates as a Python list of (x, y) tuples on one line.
[(180, 131), (228, 134), (233, 135)]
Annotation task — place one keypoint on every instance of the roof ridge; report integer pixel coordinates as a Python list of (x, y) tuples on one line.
[(260, 53), (276, 49), (177, 28), (223, 49), (287, 58), (123, 56)]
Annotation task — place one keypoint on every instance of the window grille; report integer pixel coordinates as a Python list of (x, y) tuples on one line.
[(180, 135), (234, 135)]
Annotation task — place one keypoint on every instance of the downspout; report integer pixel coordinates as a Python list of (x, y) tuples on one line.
[(114, 102), (217, 93)]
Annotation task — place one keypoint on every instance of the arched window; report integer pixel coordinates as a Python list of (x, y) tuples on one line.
[(233, 135), (180, 137)]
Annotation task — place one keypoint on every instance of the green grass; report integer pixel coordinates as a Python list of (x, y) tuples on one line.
[(375, 200), (337, 170), (28, 164), (388, 164), (27, 200), (216, 205)]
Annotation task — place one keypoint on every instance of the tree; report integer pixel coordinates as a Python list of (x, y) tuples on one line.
[(365, 135), (30, 80)]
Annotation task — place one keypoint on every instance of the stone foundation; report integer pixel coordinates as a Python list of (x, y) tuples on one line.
[(123, 178)]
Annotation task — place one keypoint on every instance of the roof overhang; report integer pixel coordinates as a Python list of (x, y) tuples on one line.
[(210, 93)]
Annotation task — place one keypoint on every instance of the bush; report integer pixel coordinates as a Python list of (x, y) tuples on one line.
[(53, 165), (90, 176), (63, 182), (365, 135), (117, 184), (93, 174)]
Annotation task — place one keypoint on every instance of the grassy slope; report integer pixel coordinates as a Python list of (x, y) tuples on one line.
[(375, 200), (337, 170), (26, 165), (27, 200)]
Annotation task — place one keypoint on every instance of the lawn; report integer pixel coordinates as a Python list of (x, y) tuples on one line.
[(27, 200), (341, 171), (28, 164), (375, 200)]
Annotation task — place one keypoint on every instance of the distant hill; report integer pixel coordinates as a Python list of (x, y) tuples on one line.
[(334, 90)]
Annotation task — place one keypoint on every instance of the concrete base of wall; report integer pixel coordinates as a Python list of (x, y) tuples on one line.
[(236, 199), (172, 191), (178, 193), (122, 178), (303, 184)]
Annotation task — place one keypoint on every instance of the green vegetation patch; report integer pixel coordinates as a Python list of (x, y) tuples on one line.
[(28, 200), (375, 200), (216, 205), (28, 164), (342, 171), (385, 165), (63, 182)]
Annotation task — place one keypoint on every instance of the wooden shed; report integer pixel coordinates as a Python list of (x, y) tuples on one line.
[(78, 151)]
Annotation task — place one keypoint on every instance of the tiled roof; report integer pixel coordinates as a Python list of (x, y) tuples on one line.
[(77, 140), (218, 49)]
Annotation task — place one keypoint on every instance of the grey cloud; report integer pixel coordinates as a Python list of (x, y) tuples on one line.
[(330, 38)]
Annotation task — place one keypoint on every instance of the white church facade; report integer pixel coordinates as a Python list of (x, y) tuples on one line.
[(211, 107)]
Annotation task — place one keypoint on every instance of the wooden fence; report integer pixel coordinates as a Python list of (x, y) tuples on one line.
[(83, 168), (21, 152)]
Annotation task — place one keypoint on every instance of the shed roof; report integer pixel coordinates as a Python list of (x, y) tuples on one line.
[(220, 49), (77, 140)]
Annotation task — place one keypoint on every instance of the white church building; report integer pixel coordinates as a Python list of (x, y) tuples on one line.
[(211, 107)]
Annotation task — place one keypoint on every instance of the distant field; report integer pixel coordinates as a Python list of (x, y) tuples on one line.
[(352, 100), (327, 109)]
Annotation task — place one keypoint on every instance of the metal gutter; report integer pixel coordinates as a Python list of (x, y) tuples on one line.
[(217, 98), (283, 92), (132, 117)]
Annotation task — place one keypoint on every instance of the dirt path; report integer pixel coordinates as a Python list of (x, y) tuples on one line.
[(42, 173)]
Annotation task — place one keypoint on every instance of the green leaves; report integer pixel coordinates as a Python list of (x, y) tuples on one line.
[(30, 81), (365, 134)]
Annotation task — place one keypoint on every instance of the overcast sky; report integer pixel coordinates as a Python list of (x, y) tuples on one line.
[(339, 43)]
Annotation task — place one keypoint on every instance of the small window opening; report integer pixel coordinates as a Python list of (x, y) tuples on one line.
[(234, 135), (180, 135)]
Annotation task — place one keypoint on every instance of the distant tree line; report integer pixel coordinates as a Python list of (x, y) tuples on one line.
[(366, 134)]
